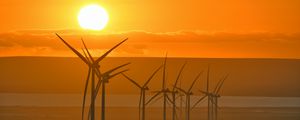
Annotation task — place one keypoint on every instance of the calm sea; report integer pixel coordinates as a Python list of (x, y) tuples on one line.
[(124, 107)]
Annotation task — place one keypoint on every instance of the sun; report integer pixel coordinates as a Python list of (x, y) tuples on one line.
[(93, 17)]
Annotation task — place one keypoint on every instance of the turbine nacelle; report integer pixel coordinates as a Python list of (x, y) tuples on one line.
[(95, 65), (145, 88), (175, 92), (215, 95), (167, 90), (105, 78)]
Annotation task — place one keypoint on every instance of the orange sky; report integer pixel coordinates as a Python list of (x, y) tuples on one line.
[(194, 28)]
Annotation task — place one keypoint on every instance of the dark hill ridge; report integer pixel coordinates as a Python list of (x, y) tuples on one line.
[(248, 77)]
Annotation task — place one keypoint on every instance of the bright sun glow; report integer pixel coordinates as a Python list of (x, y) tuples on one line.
[(93, 17)]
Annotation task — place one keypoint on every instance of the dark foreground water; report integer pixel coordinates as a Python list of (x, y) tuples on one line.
[(129, 113)]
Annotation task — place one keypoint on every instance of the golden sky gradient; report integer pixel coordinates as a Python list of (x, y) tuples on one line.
[(194, 28)]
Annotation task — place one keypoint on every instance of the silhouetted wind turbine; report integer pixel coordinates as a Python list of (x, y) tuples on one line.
[(105, 77), (93, 70), (164, 91), (143, 89), (100, 78), (188, 94), (216, 96), (208, 95), (212, 96), (174, 92)]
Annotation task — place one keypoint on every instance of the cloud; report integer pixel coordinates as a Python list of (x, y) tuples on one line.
[(142, 43)]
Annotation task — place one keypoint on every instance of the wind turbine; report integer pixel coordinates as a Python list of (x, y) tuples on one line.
[(164, 91), (103, 80), (211, 97), (105, 77), (188, 94), (143, 89), (216, 96), (174, 92), (206, 94), (93, 70)]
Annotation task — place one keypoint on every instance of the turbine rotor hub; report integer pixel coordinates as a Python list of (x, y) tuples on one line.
[(95, 65), (146, 88)]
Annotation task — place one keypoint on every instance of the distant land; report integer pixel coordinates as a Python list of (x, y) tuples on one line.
[(247, 77)]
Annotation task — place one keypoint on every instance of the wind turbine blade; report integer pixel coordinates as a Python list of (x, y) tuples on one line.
[(89, 115), (178, 76), (219, 88), (150, 78), (87, 50), (164, 72), (218, 84), (99, 82), (73, 49), (156, 99), (185, 92), (177, 97), (105, 54), (85, 91), (197, 77), (171, 101), (153, 97), (98, 86), (140, 102), (97, 72), (155, 91), (131, 80), (86, 57), (110, 71), (202, 98), (204, 92), (111, 76), (207, 81), (168, 102)]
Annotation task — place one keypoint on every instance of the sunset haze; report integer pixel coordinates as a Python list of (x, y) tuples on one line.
[(199, 28)]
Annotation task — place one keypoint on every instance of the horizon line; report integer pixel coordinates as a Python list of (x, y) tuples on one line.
[(25, 56)]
